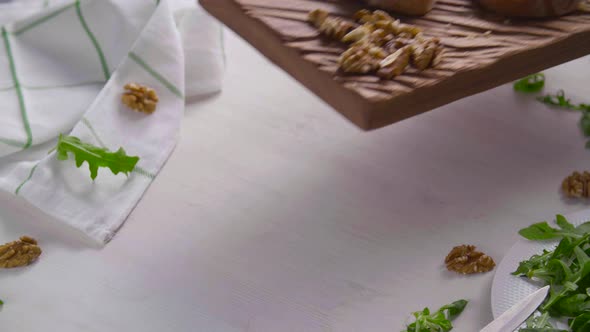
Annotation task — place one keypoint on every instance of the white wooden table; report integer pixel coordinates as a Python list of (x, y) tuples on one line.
[(275, 214)]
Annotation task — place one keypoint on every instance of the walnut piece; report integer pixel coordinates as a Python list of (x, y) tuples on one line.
[(140, 98), (379, 43), (395, 64), (424, 52), (19, 253), (465, 259), (361, 58), (334, 27), (577, 185)]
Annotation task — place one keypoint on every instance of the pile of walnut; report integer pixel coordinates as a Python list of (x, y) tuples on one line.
[(378, 43), (465, 259), (19, 253), (140, 98), (577, 185)]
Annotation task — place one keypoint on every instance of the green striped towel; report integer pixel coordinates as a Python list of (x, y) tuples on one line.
[(62, 70)]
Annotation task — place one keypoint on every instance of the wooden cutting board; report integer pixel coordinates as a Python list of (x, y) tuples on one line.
[(482, 51)]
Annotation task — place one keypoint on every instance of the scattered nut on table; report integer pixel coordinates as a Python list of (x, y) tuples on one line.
[(465, 259), (140, 98), (577, 185), (19, 253)]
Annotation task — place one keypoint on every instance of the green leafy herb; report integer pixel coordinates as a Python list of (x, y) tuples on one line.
[(585, 122), (530, 84), (439, 321), (581, 323), (542, 230), (539, 323), (559, 99), (566, 269), (117, 162), (1, 303)]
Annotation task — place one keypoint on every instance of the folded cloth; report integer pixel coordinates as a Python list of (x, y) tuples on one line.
[(63, 70)]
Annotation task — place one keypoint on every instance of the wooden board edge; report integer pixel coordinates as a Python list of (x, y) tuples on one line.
[(370, 115), (460, 85)]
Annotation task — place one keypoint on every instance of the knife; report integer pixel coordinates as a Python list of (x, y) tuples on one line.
[(515, 316)]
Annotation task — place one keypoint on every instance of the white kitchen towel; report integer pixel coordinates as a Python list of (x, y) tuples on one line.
[(63, 70)]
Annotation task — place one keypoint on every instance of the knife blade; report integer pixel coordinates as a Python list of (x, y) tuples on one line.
[(515, 316)]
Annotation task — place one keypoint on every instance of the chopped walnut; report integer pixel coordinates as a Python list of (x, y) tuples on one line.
[(423, 53), (361, 59), (359, 33), (406, 30), (19, 253), (577, 185), (334, 27), (365, 16), (140, 98), (465, 259), (395, 64), (376, 44)]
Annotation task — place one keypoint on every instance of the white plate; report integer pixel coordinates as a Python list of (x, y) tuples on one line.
[(507, 289)]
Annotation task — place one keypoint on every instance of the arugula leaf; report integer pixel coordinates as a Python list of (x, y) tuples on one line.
[(559, 99), (563, 223), (585, 123), (542, 230), (539, 324), (533, 263), (571, 306), (439, 321), (539, 231), (581, 323), (117, 162), (530, 84), (454, 309), (566, 269)]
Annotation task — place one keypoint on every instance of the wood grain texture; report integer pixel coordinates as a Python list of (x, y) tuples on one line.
[(483, 50)]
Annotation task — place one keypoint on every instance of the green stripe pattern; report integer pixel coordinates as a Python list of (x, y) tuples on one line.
[(19, 92), (49, 87), (11, 142), (156, 75), (26, 180), (42, 20), (93, 131), (103, 61)]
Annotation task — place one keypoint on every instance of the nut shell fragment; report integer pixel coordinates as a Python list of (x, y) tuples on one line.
[(19, 253), (465, 259)]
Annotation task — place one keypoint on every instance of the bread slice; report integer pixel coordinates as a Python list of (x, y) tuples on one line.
[(530, 8), (407, 7)]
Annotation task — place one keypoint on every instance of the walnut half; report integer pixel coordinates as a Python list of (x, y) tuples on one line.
[(577, 185), (465, 259), (19, 253), (140, 98)]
